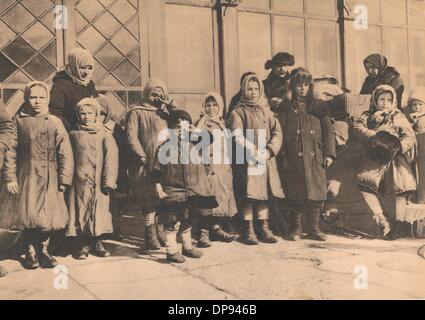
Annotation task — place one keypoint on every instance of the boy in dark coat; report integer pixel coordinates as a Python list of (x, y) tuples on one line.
[(308, 148), (6, 136), (181, 186)]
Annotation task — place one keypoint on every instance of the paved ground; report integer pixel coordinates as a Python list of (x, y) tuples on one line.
[(287, 270)]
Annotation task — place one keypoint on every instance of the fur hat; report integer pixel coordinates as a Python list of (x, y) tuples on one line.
[(175, 116), (279, 59)]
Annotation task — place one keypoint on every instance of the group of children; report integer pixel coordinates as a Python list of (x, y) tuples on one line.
[(68, 164)]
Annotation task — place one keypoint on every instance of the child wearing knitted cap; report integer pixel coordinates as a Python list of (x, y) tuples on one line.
[(96, 171)]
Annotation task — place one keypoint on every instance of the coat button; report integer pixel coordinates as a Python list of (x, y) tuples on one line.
[(313, 153), (300, 154), (312, 132)]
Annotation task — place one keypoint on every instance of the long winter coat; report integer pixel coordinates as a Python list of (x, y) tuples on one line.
[(308, 138), (65, 95), (143, 125), (39, 161), (267, 185), (6, 132), (277, 87), (96, 169)]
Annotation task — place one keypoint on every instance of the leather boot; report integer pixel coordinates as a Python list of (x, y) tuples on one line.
[(173, 254), (151, 238), (31, 257), (82, 249), (3, 272), (295, 227), (218, 234), (187, 247), (397, 231), (204, 239), (383, 224), (46, 260), (161, 234), (248, 234), (99, 249), (313, 218), (265, 235)]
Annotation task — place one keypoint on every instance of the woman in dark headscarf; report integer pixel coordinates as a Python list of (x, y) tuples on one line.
[(72, 85), (380, 73)]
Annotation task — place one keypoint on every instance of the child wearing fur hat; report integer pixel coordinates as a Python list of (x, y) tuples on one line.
[(119, 196), (308, 149), (259, 136), (96, 171), (276, 86), (181, 186), (220, 175), (416, 115), (386, 168), (38, 170)]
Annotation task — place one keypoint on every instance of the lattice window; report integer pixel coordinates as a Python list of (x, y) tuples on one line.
[(27, 45), (110, 29)]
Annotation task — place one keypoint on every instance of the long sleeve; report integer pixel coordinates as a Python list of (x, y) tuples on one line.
[(65, 156), (110, 162), (236, 123), (10, 165), (406, 134), (132, 134), (360, 129), (6, 127), (276, 136), (328, 136)]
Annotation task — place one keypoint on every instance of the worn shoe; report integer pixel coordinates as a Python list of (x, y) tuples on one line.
[(46, 260), (100, 251), (192, 253), (31, 258), (265, 235), (175, 258), (3, 272), (383, 224), (220, 235), (314, 232), (83, 253), (248, 234), (295, 226), (204, 239), (161, 234), (151, 238)]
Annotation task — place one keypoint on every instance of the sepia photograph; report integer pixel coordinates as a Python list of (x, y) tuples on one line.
[(212, 150)]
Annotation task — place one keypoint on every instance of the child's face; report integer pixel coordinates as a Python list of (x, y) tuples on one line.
[(88, 115), (281, 70), (302, 88), (37, 99), (371, 69), (86, 72), (417, 106), (385, 102), (211, 108), (253, 90)]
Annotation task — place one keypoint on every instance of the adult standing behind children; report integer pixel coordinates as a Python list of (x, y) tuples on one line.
[(6, 137), (144, 124), (72, 85), (380, 73)]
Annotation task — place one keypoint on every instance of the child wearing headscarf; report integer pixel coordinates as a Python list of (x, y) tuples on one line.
[(38, 170), (180, 185), (308, 149), (380, 73), (386, 168), (220, 174), (259, 136), (416, 115), (143, 126), (96, 171), (71, 85), (119, 196)]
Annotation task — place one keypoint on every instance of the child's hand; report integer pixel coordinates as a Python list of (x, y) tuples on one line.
[(142, 161), (62, 188), (328, 162), (160, 191), (13, 188)]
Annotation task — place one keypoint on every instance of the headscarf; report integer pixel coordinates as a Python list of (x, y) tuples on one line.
[(377, 60), (417, 94), (244, 90), (385, 88), (76, 58), (97, 108), (105, 108), (27, 91), (153, 84), (218, 118)]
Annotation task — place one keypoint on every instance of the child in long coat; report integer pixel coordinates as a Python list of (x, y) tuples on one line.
[(71, 85), (386, 168), (308, 148), (143, 126), (259, 135), (220, 174), (181, 186), (38, 170), (96, 171)]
